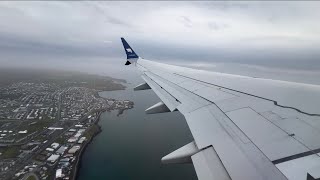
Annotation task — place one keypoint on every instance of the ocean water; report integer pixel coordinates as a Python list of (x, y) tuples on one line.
[(131, 146)]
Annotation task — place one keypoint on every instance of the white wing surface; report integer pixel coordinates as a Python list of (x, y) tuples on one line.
[(243, 127)]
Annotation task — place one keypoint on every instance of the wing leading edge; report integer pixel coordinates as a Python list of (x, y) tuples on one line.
[(243, 127)]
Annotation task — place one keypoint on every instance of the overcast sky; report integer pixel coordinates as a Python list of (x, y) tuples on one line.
[(87, 34)]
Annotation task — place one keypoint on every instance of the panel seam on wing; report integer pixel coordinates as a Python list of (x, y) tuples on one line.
[(275, 102)]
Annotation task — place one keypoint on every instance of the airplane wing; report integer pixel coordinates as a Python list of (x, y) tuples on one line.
[(243, 127)]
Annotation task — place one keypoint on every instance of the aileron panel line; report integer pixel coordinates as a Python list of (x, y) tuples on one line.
[(207, 131), (209, 166), (274, 142)]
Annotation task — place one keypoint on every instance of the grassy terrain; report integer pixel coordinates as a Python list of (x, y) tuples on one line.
[(9, 152), (62, 78), (91, 131), (61, 140), (31, 177), (39, 125)]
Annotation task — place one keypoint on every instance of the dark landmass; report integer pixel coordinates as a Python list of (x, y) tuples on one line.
[(62, 78)]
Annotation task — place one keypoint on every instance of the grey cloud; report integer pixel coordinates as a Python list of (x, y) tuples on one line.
[(185, 21), (226, 5), (113, 20), (217, 26), (20, 45), (303, 58), (82, 32), (109, 18)]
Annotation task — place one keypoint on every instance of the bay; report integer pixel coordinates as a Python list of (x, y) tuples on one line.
[(131, 145)]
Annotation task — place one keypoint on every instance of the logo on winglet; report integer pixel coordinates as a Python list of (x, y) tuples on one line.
[(129, 50)]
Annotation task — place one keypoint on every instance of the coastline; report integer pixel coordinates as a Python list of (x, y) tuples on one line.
[(77, 165), (98, 130)]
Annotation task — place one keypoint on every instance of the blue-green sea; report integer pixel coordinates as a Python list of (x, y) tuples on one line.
[(131, 146)]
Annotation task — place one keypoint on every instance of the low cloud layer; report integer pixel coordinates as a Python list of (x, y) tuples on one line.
[(81, 34)]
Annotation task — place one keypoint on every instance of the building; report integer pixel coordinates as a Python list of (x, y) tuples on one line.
[(23, 132), (61, 150), (53, 158), (65, 160), (55, 145), (72, 130), (74, 149), (59, 173), (81, 140), (49, 149), (55, 128), (72, 139), (78, 134)]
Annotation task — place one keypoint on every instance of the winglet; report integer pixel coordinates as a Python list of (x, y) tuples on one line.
[(131, 55)]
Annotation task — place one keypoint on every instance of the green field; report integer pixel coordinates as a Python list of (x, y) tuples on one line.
[(61, 78), (31, 177), (91, 131), (9, 152)]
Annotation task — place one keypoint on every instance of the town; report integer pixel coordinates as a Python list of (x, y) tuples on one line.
[(44, 127)]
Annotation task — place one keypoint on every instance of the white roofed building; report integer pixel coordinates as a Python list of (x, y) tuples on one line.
[(72, 139), (23, 132), (61, 150), (74, 149), (55, 145), (81, 140), (53, 158), (49, 149), (59, 173)]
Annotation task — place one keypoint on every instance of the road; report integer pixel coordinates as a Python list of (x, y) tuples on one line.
[(59, 105)]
